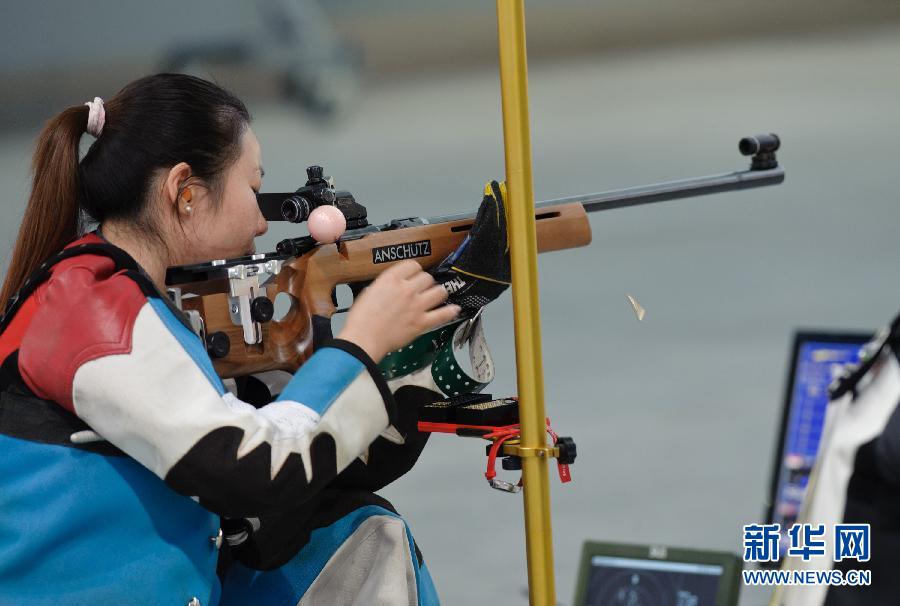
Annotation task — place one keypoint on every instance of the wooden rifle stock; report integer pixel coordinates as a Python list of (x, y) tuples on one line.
[(310, 281)]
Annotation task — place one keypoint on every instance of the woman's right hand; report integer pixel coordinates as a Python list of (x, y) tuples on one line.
[(402, 303)]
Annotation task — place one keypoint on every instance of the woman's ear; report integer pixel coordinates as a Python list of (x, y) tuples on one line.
[(174, 185)]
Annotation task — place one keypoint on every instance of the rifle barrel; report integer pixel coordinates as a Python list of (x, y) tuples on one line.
[(672, 190), (658, 192)]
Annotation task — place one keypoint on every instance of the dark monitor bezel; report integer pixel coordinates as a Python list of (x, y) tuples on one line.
[(801, 337), (729, 585)]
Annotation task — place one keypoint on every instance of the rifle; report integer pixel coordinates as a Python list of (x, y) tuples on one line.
[(230, 302)]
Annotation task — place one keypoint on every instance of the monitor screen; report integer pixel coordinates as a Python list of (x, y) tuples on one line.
[(817, 360), (622, 581)]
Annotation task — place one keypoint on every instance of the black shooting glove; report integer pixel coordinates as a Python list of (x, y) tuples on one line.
[(478, 271)]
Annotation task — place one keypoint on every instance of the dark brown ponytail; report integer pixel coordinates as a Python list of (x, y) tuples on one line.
[(153, 123), (52, 215)]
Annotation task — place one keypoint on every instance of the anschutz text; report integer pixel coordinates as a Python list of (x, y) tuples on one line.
[(398, 252)]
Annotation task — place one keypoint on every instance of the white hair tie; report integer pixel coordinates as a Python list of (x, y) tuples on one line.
[(96, 117)]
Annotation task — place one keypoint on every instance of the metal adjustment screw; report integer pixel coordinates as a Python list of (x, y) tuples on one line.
[(567, 450), (217, 540), (218, 345), (315, 173), (511, 463), (194, 602), (262, 309)]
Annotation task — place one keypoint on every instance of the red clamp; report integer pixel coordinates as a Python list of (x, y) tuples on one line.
[(498, 437)]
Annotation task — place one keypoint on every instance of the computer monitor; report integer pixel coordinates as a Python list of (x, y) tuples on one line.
[(816, 359), (613, 574)]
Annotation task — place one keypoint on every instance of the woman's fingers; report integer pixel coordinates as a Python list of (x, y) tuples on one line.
[(399, 305), (441, 315), (421, 281), (434, 296), (404, 269)]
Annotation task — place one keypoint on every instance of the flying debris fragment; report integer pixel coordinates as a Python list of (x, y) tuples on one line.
[(639, 311)]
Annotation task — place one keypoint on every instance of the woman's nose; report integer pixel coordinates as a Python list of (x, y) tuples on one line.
[(262, 226)]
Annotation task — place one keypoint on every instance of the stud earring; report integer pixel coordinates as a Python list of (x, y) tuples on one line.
[(186, 196)]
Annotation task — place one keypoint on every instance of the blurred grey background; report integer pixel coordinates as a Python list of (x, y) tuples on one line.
[(674, 416)]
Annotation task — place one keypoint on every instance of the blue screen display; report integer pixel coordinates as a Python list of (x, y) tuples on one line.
[(818, 363)]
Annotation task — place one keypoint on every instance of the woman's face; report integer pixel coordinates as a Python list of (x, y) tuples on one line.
[(228, 230)]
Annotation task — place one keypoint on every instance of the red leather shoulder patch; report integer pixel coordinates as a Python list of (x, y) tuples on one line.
[(83, 312), (12, 336)]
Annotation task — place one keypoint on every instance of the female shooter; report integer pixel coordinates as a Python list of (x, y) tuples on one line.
[(124, 455)]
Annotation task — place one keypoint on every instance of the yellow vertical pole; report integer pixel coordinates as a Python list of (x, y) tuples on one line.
[(523, 256)]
